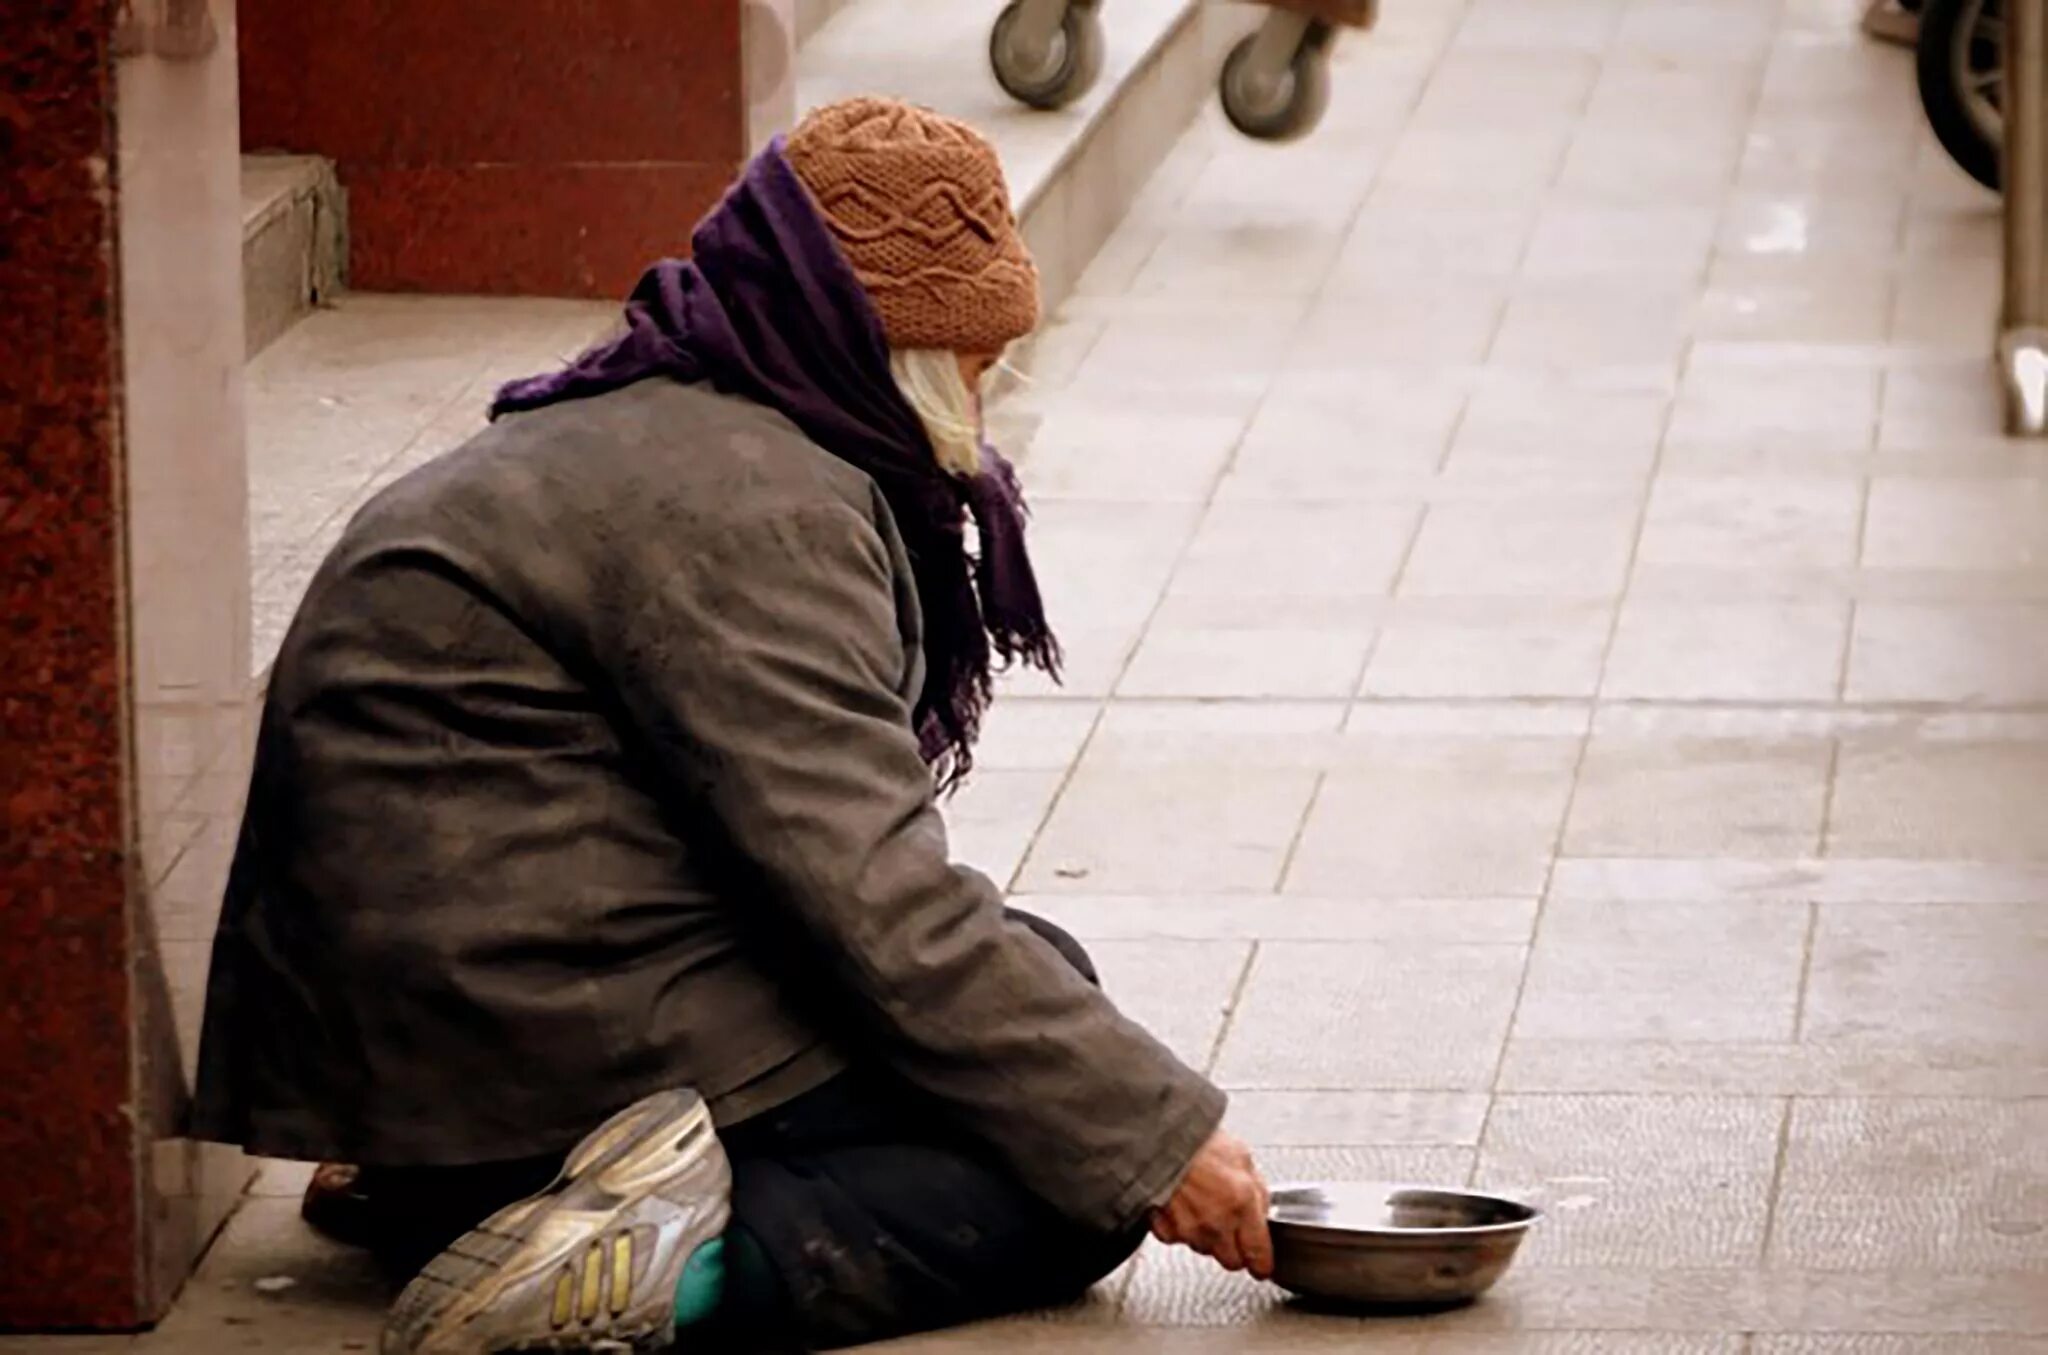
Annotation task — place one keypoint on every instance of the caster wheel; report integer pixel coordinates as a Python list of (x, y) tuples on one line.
[(1960, 62), (1052, 74), (1284, 106)]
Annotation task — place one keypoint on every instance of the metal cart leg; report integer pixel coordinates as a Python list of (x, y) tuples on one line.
[(2023, 340)]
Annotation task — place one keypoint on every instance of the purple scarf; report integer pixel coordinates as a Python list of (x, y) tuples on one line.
[(769, 309)]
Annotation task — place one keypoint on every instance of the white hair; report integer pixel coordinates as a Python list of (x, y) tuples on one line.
[(932, 385)]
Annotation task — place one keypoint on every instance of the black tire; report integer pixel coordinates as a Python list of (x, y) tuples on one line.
[(1953, 47), (1073, 69), (1301, 105)]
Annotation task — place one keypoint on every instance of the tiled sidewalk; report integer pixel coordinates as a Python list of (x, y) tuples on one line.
[(1559, 696), (1560, 681)]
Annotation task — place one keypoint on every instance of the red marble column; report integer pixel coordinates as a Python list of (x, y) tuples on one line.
[(542, 147), (69, 1228)]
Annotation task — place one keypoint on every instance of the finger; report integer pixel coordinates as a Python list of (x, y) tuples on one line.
[(1256, 1242), (1162, 1228), (1226, 1252)]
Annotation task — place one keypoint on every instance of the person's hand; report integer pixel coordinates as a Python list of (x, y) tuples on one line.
[(1220, 1208)]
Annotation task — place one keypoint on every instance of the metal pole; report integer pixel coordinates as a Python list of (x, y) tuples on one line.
[(2023, 341)]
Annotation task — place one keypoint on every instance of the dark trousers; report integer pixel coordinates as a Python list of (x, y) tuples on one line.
[(859, 1213)]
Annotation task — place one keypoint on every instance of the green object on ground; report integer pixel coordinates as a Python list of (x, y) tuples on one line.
[(702, 1287)]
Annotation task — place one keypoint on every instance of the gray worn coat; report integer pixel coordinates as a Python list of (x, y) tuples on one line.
[(587, 770)]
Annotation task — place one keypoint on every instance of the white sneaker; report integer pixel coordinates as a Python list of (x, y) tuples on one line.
[(590, 1263)]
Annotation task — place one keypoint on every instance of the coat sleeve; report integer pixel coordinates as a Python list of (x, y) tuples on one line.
[(762, 668)]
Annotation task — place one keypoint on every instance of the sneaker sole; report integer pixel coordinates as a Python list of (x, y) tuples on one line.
[(627, 1159)]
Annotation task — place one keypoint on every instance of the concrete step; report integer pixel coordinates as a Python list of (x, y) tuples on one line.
[(294, 241), (812, 15)]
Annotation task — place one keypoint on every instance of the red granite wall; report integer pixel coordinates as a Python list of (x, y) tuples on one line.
[(68, 1230), (540, 147)]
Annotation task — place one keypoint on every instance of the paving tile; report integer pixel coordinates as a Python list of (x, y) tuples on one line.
[(1277, 1332), (1643, 244), (1490, 648), (1923, 522), (335, 1295), (1689, 650), (1567, 323), (1553, 547), (1915, 1185), (1628, 164), (1473, 165), (1310, 181), (1766, 302), (1652, 1182), (1829, 156), (1950, 980), (1960, 654), (1084, 452), (1320, 1119), (1949, 306), (1179, 990), (1247, 661), (1284, 254), (1954, 1344), (1752, 523), (1793, 226), (1774, 406), (1394, 241), (1545, 419), (1322, 550), (1584, 1343), (1406, 323), (1937, 406), (1940, 230), (1644, 1300), (1321, 436), (1440, 817), (1822, 881), (1093, 655), (1698, 797), (1786, 1068), (1143, 830), (1477, 89), (992, 820), (1951, 800), (1034, 736), (1179, 734), (1725, 41), (1664, 971), (1580, 26), (1316, 1016), (1152, 362), (1290, 917), (1078, 545), (1173, 1288)]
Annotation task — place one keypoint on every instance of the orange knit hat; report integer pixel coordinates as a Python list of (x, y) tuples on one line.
[(918, 205)]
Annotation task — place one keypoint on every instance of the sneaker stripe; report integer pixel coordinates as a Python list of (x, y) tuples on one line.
[(593, 1282), (622, 1272), (565, 1298)]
